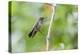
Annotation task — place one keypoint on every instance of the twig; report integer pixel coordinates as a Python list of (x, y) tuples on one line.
[(49, 29)]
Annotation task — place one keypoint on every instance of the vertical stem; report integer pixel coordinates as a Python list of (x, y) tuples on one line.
[(49, 29)]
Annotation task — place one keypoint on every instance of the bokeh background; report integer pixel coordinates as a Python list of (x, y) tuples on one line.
[(64, 30)]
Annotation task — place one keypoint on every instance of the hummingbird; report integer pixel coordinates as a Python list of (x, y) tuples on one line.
[(36, 27)]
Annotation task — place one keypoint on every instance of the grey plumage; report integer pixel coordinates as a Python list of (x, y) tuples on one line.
[(36, 27)]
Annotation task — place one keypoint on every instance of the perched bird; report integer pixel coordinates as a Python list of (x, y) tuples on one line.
[(36, 27), (46, 11)]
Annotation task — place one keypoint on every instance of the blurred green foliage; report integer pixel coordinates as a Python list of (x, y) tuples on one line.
[(64, 31)]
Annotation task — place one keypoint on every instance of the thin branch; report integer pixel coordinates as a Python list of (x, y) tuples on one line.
[(49, 29)]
